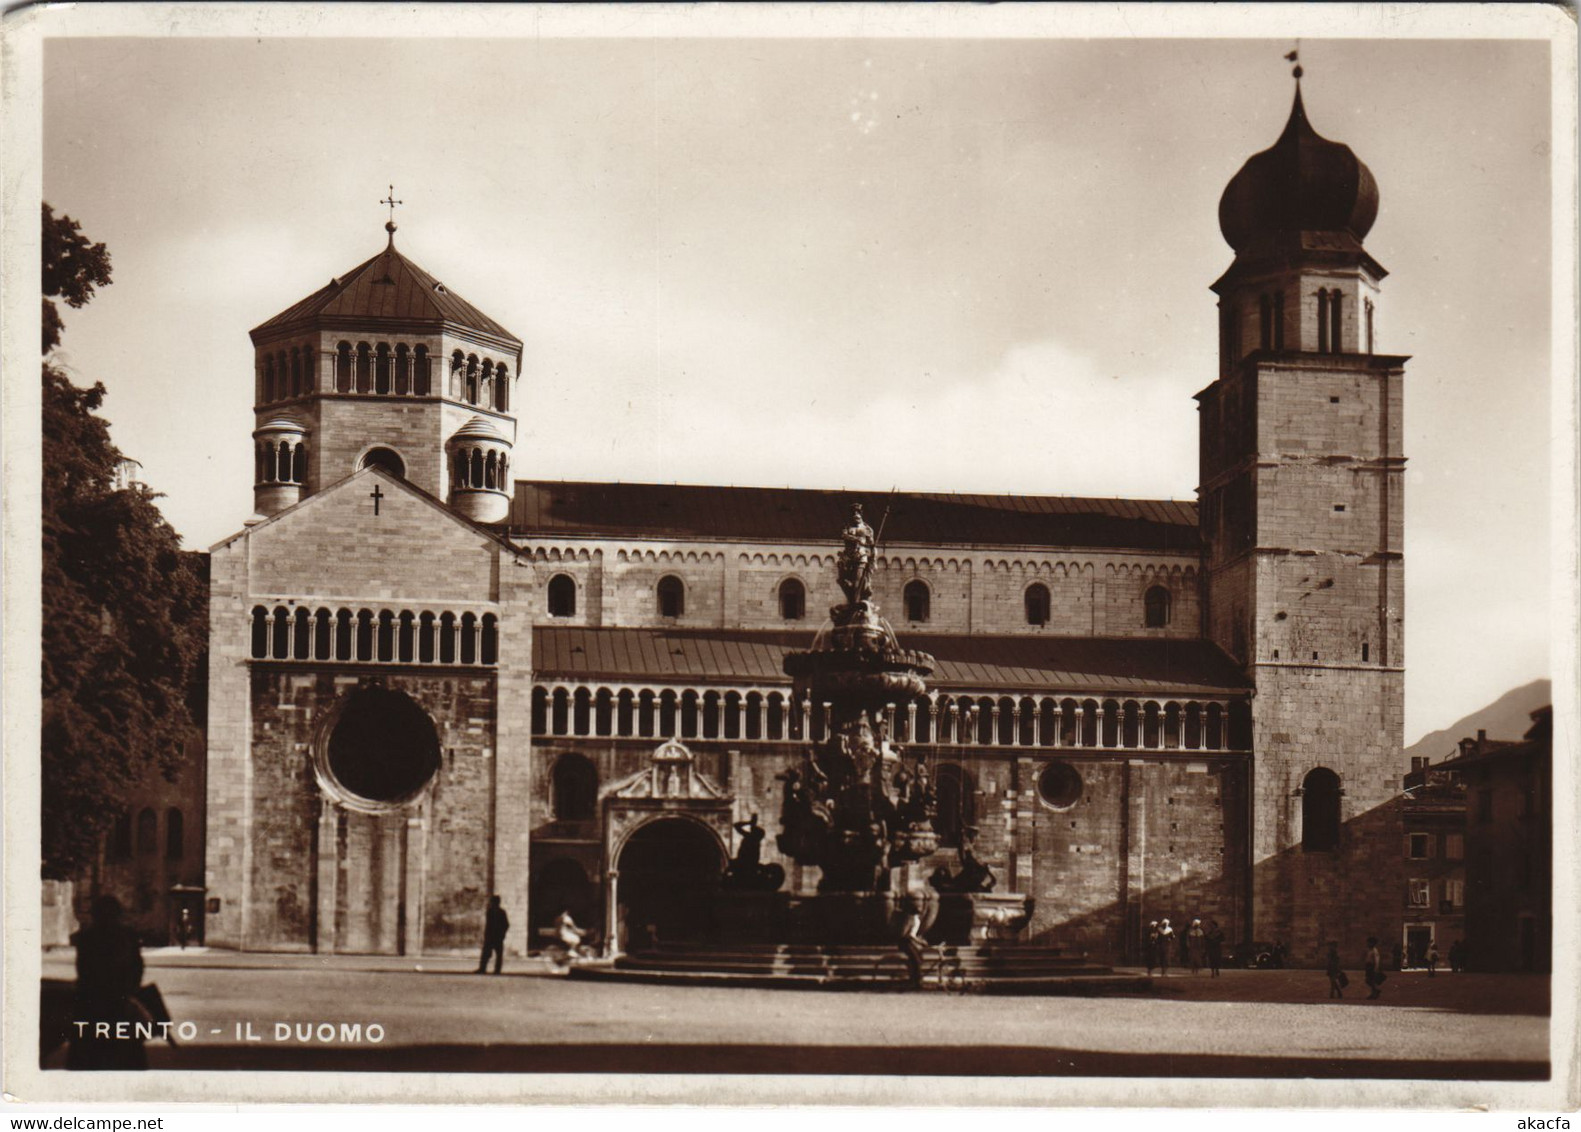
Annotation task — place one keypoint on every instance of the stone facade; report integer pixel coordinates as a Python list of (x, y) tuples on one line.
[(298, 860)]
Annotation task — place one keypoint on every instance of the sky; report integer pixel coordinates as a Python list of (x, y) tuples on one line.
[(937, 264)]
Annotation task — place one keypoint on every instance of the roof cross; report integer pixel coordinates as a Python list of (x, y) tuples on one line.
[(392, 202)]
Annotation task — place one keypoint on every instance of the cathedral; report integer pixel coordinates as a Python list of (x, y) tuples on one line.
[(431, 682)]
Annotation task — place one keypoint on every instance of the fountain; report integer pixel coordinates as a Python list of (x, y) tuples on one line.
[(854, 808)]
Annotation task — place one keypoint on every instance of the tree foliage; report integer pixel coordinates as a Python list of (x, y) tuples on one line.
[(73, 267), (124, 617)]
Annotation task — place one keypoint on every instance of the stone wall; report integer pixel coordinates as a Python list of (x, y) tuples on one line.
[(1147, 838), (326, 876), (732, 586)]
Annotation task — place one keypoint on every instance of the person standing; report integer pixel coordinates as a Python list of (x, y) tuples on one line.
[(1150, 947), (1166, 943), (1215, 945), (1374, 968), (495, 924), (912, 945), (184, 927), (1432, 959), (109, 975), (1196, 945), (1336, 973)]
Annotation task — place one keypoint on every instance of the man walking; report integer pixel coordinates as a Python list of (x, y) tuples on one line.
[(1374, 968), (1336, 973), (495, 924)]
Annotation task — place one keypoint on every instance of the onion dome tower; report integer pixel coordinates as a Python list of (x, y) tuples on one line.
[(479, 457), (1299, 210), (384, 366), (1302, 516)]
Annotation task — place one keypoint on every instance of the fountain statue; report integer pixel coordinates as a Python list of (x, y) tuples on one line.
[(853, 808)]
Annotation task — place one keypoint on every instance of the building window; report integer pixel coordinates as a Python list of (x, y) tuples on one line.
[(574, 788), (1418, 893), (175, 834), (793, 600), (147, 832), (1322, 321), (1454, 846), (956, 795), (672, 596), (1059, 786), (1265, 322), (387, 459), (1335, 336), (1369, 326), (915, 597), (1320, 794), (1418, 846), (1455, 892), (1279, 320), (1157, 611), (562, 596), (1037, 603), (121, 837)]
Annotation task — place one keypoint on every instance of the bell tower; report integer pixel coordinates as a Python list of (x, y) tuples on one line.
[(1300, 492), (386, 366)]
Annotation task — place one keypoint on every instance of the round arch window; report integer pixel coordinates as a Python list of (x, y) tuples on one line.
[(386, 458), (1059, 785), (383, 749)]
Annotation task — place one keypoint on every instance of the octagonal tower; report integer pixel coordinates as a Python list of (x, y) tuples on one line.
[(384, 365)]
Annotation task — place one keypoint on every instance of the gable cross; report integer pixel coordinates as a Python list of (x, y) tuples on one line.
[(376, 495)]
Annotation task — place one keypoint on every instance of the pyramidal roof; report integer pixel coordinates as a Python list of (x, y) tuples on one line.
[(388, 287)]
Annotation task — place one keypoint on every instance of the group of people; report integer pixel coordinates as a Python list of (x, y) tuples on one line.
[(1197, 947)]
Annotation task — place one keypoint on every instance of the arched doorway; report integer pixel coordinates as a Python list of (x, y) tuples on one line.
[(669, 872)]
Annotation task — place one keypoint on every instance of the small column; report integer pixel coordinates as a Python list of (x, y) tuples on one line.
[(1059, 724), (612, 914), (1180, 727), (911, 721), (416, 854), (1015, 725), (328, 873)]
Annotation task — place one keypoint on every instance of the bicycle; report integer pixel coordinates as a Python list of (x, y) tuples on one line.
[(948, 974)]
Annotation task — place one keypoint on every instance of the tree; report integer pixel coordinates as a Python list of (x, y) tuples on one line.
[(72, 269), (123, 610)]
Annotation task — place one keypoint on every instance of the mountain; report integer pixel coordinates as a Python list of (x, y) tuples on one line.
[(1507, 717)]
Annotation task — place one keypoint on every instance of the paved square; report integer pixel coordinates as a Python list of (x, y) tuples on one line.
[(253, 1011)]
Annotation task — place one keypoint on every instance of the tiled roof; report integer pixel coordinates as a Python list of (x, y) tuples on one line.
[(1076, 664), (805, 515), (388, 286)]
